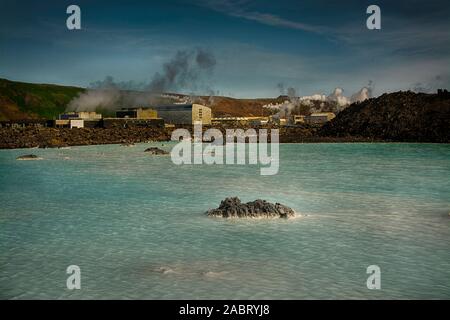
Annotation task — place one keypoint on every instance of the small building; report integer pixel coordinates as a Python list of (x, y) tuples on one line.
[(319, 118), (85, 115), (61, 123), (76, 123), (68, 123), (275, 119), (137, 113), (78, 119), (185, 114), (298, 119), (89, 115)]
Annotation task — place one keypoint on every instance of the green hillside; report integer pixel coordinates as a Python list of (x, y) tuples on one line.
[(19, 100)]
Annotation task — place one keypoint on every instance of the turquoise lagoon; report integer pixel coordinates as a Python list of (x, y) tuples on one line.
[(135, 224)]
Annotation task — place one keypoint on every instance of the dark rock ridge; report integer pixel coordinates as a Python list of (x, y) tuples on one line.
[(156, 151), (233, 208), (30, 137), (29, 157), (398, 116)]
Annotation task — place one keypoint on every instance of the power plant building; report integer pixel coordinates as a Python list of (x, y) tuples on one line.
[(185, 114), (134, 117)]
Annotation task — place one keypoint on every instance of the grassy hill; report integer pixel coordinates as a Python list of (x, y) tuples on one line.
[(19, 100)]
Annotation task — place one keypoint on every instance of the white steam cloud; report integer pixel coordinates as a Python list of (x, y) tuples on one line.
[(187, 70), (336, 101)]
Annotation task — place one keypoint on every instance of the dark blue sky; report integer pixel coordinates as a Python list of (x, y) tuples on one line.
[(312, 46)]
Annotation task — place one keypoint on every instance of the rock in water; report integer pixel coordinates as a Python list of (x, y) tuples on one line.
[(234, 208), (29, 157), (156, 151), (128, 144)]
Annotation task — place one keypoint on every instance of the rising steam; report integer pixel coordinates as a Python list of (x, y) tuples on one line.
[(334, 102), (186, 71)]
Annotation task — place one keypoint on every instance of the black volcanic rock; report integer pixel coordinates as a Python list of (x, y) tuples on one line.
[(29, 157), (399, 116), (128, 144), (30, 137), (233, 208), (155, 151)]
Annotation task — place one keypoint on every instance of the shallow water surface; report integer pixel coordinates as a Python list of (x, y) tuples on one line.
[(135, 224)]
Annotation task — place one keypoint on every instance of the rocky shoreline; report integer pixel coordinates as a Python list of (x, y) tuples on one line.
[(30, 137), (11, 138)]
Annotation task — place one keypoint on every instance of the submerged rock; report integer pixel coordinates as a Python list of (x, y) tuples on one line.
[(233, 208), (156, 151), (29, 157)]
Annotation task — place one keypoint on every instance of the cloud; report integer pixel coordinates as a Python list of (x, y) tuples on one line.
[(235, 9), (274, 20), (400, 35)]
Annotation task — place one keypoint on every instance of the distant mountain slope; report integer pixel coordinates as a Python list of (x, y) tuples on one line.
[(399, 116), (19, 100), (226, 106)]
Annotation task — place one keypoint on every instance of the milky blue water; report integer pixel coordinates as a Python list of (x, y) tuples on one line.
[(135, 224)]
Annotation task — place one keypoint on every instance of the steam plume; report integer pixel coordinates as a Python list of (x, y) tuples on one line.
[(334, 102), (184, 72)]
